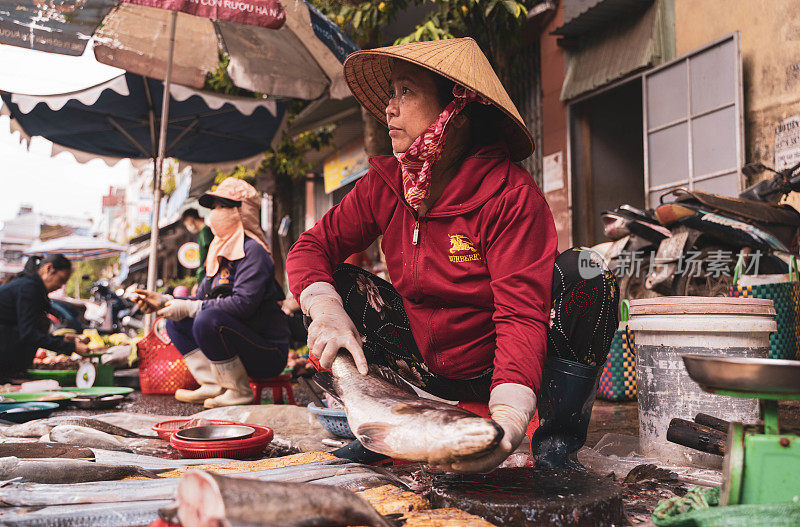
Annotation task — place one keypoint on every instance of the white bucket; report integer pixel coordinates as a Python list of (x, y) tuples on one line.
[(664, 329)]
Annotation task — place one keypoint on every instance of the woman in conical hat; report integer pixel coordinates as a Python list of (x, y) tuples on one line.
[(481, 308)]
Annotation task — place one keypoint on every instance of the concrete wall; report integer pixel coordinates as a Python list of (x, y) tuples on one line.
[(554, 125), (770, 40)]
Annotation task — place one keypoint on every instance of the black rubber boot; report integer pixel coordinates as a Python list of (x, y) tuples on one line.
[(356, 452), (565, 406)]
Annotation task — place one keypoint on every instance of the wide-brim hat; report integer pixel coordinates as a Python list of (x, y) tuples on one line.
[(368, 73), (231, 192)]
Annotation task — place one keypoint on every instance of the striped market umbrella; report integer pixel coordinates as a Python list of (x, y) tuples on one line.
[(280, 48)]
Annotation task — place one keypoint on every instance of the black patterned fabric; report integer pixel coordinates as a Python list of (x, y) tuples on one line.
[(585, 312)]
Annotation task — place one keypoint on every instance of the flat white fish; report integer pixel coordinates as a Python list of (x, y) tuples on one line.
[(388, 417), (40, 427), (91, 438), (86, 437)]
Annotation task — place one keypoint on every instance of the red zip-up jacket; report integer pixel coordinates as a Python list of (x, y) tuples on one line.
[(475, 272)]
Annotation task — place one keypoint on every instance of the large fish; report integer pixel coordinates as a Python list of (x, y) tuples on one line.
[(388, 417), (65, 470), (41, 427), (206, 499)]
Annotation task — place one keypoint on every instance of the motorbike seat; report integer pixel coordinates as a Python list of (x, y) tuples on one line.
[(758, 211), (634, 213)]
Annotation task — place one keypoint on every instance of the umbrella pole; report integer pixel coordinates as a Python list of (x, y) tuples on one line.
[(152, 263)]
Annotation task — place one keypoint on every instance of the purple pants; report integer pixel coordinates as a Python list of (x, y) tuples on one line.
[(222, 337)]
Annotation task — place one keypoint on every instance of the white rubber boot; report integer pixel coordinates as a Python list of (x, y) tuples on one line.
[(232, 376), (200, 367)]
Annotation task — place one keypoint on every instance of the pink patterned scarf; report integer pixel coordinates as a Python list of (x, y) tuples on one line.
[(416, 163)]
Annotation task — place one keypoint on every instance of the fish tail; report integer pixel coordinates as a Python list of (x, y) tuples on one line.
[(325, 381), (152, 474), (392, 520)]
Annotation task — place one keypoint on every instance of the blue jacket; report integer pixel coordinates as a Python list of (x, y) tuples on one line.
[(248, 292)]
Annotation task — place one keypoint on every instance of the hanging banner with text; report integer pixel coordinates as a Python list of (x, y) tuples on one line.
[(269, 13)]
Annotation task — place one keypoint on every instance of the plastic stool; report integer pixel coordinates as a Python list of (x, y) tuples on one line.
[(278, 384)]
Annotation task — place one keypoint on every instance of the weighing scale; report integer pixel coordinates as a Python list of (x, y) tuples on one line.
[(761, 464), (93, 372)]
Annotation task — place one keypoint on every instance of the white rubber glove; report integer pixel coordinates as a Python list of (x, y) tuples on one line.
[(180, 308), (512, 406), (331, 328)]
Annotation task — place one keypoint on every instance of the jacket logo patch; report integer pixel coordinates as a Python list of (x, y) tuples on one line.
[(459, 243)]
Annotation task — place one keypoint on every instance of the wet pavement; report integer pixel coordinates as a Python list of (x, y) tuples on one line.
[(612, 418), (139, 403)]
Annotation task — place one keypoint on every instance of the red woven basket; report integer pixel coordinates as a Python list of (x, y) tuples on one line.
[(161, 366)]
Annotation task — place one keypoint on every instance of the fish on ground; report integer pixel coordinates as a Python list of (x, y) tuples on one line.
[(388, 417), (120, 514), (86, 437), (141, 424), (206, 499), (65, 470), (351, 475), (92, 438), (40, 427), (32, 450)]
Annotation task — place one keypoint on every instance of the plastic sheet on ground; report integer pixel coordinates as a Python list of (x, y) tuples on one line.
[(240, 467), (295, 428), (618, 453)]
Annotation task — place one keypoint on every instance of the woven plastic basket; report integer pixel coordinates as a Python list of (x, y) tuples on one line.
[(161, 366), (618, 380), (333, 419), (785, 295)]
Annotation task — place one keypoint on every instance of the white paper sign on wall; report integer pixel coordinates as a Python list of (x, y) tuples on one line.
[(787, 143), (553, 168)]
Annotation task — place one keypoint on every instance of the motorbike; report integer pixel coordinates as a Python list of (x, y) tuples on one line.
[(711, 235), (108, 311), (635, 235)]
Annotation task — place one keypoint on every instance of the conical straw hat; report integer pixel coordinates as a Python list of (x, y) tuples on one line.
[(368, 73)]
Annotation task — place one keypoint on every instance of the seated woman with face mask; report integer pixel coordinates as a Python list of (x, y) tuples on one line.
[(233, 327)]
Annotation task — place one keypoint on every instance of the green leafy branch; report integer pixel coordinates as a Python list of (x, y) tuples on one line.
[(496, 25)]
